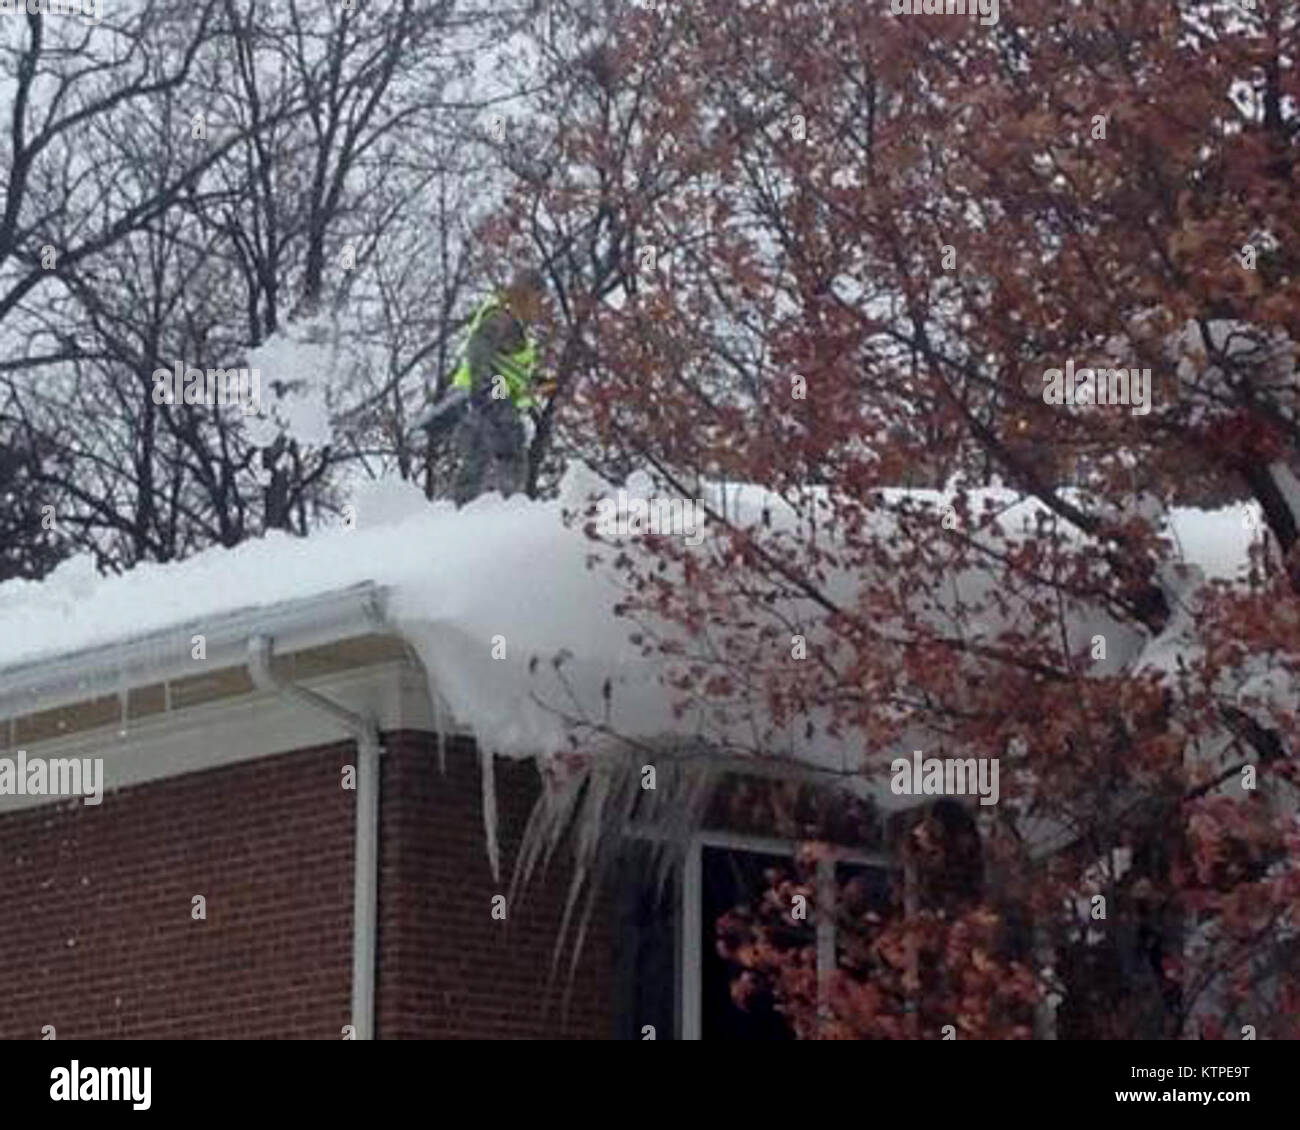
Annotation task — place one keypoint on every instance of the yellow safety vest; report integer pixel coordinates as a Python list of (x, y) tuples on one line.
[(517, 368)]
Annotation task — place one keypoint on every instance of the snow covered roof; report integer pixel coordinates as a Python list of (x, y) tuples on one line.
[(488, 596), (478, 593)]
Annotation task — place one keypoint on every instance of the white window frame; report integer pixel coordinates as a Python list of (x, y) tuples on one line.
[(691, 911)]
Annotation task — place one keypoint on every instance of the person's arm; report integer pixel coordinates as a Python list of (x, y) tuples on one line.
[(498, 333)]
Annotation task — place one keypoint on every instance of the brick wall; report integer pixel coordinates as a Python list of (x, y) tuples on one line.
[(97, 939), (96, 934), (447, 968)]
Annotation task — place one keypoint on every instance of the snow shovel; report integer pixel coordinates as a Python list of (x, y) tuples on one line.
[(446, 414)]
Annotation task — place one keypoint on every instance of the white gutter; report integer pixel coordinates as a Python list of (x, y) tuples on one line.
[(42, 684), (365, 856)]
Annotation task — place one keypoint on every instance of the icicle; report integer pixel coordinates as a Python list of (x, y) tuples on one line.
[(486, 763), (123, 704), (440, 725)]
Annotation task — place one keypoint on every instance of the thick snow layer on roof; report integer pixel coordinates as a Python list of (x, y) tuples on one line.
[(489, 596)]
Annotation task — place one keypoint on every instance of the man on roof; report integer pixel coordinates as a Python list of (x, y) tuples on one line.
[(493, 388)]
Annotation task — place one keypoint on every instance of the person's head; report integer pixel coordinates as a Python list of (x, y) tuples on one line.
[(526, 294)]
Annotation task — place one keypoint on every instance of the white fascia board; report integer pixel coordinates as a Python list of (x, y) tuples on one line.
[(60, 680)]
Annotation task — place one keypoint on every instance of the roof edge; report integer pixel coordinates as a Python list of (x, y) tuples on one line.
[(109, 669)]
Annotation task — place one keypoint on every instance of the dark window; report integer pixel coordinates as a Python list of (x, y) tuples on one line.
[(731, 879), (645, 948)]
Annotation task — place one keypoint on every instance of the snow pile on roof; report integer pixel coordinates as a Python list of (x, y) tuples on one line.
[(516, 631)]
